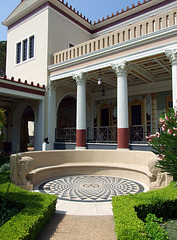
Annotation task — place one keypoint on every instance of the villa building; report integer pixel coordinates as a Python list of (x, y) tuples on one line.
[(92, 85)]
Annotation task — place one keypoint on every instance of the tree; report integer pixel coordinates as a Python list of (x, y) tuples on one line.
[(164, 143), (3, 45), (2, 122)]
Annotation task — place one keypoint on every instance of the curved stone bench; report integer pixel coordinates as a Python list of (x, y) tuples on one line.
[(122, 163)]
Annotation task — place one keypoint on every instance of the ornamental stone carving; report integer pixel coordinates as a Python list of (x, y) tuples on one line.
[(20, 168), (80, 77), (172, 55), (159, 179), (121, 67)]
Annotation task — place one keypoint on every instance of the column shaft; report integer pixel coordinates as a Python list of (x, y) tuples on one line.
[(81, 111), (122, 105), (52, 115)]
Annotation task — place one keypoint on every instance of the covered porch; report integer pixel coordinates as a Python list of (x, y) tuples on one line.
[(112, 94)]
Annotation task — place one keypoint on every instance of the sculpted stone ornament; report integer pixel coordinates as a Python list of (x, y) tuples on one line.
[(161, 179), (22, 166)]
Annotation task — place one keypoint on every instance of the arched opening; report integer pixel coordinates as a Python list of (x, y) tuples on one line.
[(66, 120), (27, 129)]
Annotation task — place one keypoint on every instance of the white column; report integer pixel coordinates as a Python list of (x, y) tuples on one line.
[(122, 105), (81, 110), (172, 56), (39, 126), (51, 115)]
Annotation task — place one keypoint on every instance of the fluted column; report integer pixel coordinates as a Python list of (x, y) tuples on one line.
[(122, 105), (51, 115), (81, 110), (172, 56)]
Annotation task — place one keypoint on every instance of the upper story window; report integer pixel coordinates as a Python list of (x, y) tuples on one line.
[(25, 49), (18, 55)]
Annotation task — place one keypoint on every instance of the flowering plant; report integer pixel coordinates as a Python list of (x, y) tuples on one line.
[(164, 143)]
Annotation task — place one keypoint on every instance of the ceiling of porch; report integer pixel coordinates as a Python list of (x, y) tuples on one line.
[(143, 71)]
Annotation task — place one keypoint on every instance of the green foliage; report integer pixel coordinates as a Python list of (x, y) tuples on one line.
[(30, 221), (164, 143), (3, 45), (130, 211), (153, 229), (2, 122), (4, 159), (4, 167)]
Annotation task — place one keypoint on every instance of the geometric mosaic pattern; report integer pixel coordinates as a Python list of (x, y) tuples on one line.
[(87, 188)]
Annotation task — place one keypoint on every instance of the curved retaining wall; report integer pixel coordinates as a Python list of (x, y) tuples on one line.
[(122, 163)]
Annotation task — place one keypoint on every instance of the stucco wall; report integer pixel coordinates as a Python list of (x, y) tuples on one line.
[(35, 69)]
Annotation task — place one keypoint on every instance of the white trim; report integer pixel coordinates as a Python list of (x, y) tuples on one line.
[(136, 19), (118, 47), (26, 20), (20, 94), (28, 50)]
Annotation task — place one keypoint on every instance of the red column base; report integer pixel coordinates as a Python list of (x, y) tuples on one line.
[(123, 138), (80, 138)]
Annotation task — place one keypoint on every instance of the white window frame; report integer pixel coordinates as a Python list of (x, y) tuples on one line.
[(28, 58)]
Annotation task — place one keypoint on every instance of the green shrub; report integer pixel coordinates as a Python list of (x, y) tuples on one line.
[(130, 211), (30, 221), (153, 229), (4, 159)]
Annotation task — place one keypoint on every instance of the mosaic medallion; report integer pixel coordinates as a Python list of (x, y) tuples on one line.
[(86, 188)]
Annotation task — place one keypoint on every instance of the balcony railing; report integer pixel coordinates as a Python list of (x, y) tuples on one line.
[(138, 133), (104, 134), (65, 135), (132, 31)]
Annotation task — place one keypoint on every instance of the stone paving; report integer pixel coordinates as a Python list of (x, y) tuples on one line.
[(88, 195)]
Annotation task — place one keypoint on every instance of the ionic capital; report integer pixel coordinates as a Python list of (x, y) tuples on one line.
[(172, 55), (120, 68)]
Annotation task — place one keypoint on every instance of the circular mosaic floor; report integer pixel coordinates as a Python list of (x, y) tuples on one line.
[(87, 188)]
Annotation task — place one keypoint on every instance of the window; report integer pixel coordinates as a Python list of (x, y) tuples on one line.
[(31, 47), (18, 59), (25, 49), (25, 42)]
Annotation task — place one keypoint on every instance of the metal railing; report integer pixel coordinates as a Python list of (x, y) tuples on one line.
[(103, 134), (65, 135), (138, 133)]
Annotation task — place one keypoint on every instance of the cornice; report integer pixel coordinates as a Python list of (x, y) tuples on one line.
[(155, 36)]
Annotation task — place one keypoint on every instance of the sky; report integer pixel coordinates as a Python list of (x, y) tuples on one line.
[(92, 9)]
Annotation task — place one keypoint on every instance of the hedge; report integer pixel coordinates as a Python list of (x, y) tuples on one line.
[(130, 211), (30, 221)]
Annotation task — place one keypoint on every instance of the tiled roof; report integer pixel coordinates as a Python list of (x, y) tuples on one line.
[(108, 17), (25, 83)]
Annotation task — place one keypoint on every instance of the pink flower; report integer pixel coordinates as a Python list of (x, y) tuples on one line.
[(157, 134), (170, 131), (174, 128), (166, 117)]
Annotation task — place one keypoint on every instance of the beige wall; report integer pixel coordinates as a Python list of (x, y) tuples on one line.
[(62, 31), (36, 69)]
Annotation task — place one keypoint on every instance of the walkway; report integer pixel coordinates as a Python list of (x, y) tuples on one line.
[(83, 209)]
